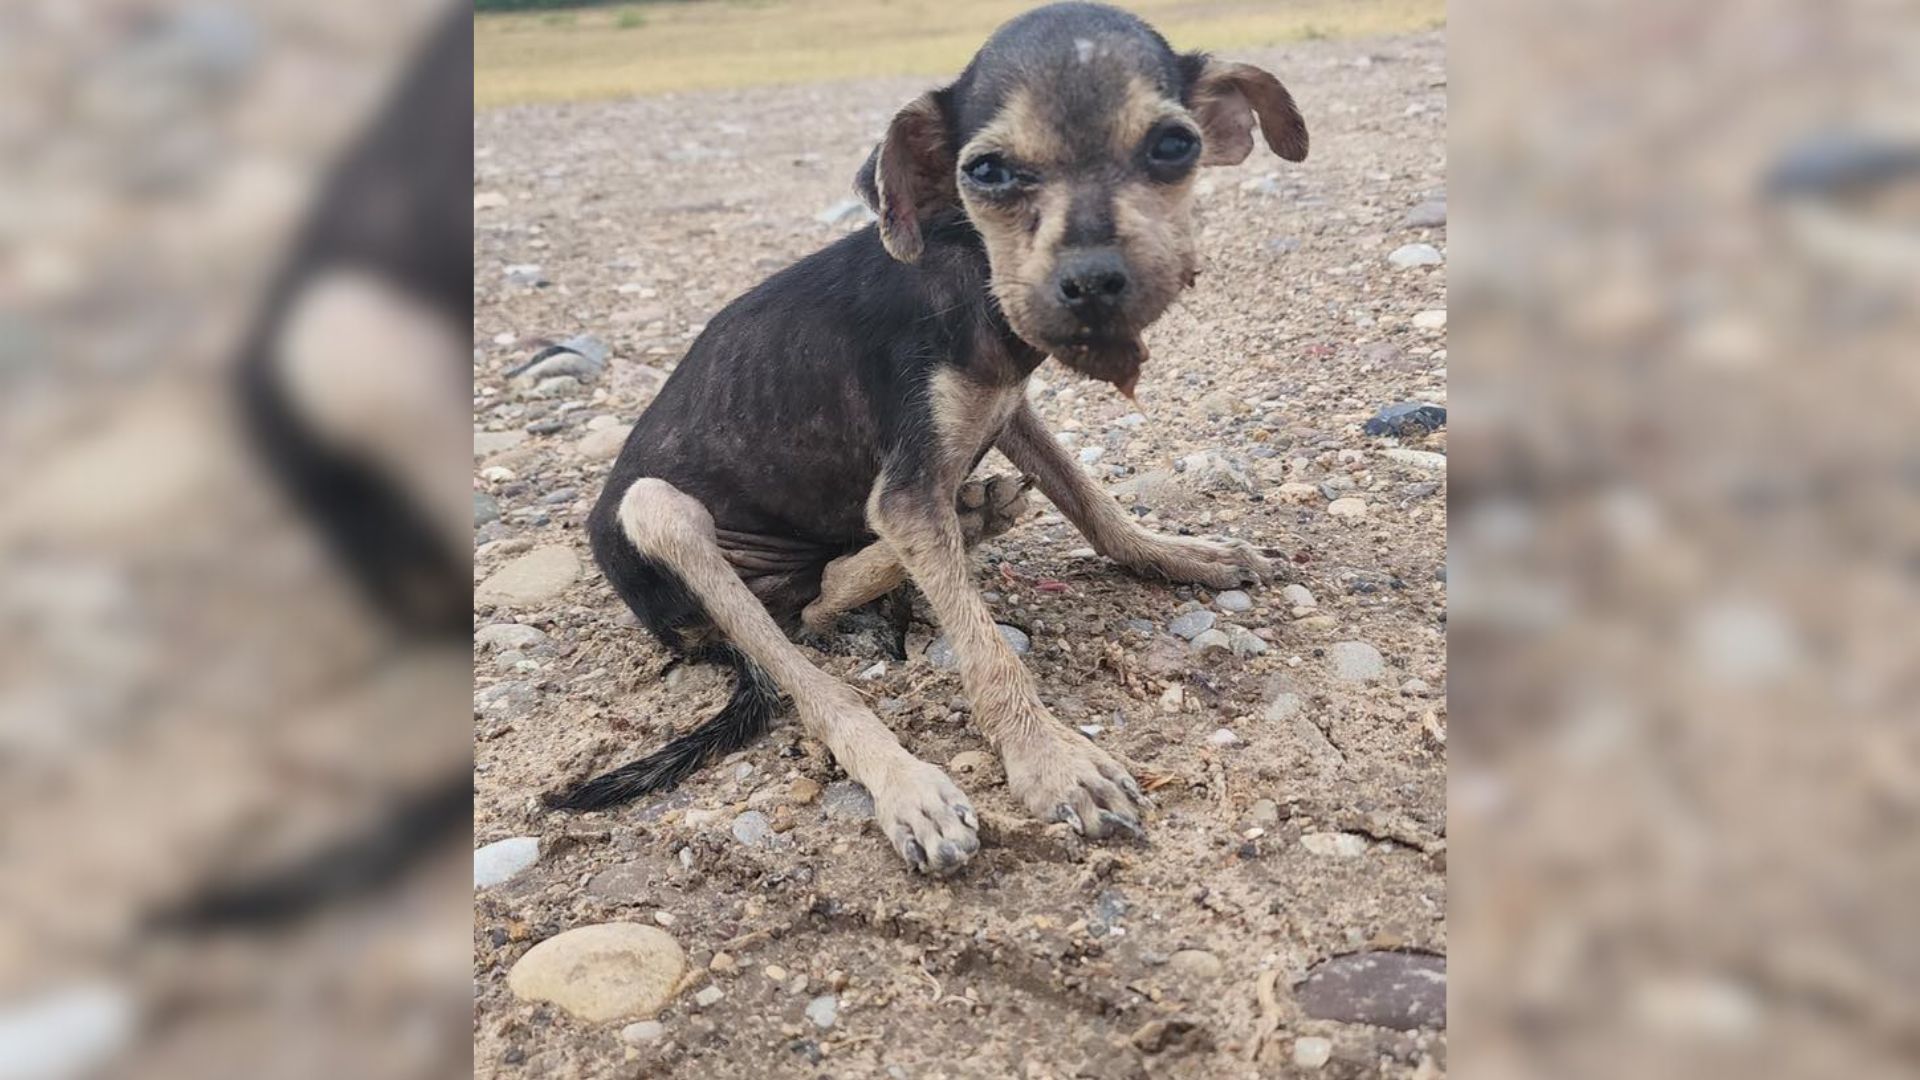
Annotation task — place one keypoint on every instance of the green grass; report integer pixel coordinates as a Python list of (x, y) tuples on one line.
[(714, 44)]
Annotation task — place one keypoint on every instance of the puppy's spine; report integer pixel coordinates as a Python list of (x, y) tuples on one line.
[(746, 716)]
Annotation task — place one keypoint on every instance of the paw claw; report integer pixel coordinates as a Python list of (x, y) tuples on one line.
[(1118, 823)]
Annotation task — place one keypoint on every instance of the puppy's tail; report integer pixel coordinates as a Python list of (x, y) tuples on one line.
[(746, 716)]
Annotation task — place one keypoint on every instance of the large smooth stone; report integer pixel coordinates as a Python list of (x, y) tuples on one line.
[(612, 971)]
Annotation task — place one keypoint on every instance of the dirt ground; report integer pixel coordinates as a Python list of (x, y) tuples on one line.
[(1049, 957)]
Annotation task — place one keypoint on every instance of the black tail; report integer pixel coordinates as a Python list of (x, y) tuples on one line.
[(747, 715)]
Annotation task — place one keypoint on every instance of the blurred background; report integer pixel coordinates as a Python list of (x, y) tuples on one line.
[(1685, 542), (193, 696)]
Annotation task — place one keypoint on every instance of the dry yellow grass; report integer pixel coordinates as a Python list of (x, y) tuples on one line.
[(653, 48)]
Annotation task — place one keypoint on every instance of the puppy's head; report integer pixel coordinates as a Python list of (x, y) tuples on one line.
[(1071, 143)]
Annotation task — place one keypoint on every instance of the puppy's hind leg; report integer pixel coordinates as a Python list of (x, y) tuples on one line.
[(986, 508), (925, 816)]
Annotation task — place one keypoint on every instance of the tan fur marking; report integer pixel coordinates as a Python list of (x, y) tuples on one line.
[(851, 581), (376, 372), (1136, 115), (667, 524)]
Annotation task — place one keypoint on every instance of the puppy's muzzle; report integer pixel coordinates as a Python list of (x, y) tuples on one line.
[(1091, 285)]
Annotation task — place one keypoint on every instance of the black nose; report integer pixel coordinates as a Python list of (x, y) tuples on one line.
[(1091, 282)]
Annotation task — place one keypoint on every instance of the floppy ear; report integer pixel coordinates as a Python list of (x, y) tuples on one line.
[(1226, 97), (908, 176)]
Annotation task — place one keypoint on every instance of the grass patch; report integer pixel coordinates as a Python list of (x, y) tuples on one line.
[(717, 44)]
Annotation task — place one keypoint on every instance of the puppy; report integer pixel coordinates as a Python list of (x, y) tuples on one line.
[(810, 453)]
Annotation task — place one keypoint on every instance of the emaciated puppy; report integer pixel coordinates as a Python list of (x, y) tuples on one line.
[(811, 451)]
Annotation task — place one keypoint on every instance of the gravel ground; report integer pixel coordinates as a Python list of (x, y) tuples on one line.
[(1287, 917)]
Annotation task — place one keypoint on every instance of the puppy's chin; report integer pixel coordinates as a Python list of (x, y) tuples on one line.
[(1117, 361)]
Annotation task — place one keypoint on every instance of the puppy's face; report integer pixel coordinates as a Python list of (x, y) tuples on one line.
[(1072, 142)]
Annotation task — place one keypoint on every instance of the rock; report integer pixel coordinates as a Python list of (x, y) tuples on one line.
[(708, 997), (1335, 845), (1223, 738), (69, 1032), (1209, 641), (1245, 642), (1401, 990), (603, 972), (533, 578), (602, 444), (1431, 214), (500, 637), (844, 800), (1233, 600), (644, 1033), (558, 360), (488, 200), (1209, 471), (485, 508), (753, 829), (554, 386), (501, 860), (1283, 707), (823, 1011), (1406, 418), (843, 212), (1334, 487), (1196, 964), (1430, 320), (1420, 459), (1312, 1051), (804, 790), (1265, 813), (1091, 455), (941, 653), (1348, 507), (1408, 256), (528, 274), (1294, 491), (489, 443), (1356, 661), (1315, 623), (1192, 624), (1299, 596)]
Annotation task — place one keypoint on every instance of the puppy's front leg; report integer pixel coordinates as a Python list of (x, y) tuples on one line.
[(1033, 450), (1059, 774)]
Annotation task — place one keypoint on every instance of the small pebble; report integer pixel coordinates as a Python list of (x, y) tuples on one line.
[(823, 1011), (1312, 1051), (708, 996), (1349, 507), (643, 1033), (1223, 738), (1356, 661), (1233, 600), (1196, 964), (1192, 624), (502, 860), (1212, 641), (1409, 256), (1336, 845), (752, 828), (1299, 596)]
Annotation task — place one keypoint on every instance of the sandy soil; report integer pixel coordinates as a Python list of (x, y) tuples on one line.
[(1049, 957)]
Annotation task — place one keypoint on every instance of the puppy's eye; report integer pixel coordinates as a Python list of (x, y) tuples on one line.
[(990, 171), (1173, 147)]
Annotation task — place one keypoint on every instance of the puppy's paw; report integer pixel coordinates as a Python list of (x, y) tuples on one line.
[(990, 507), (1229, 564), (928, 820), (1061, 776)]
